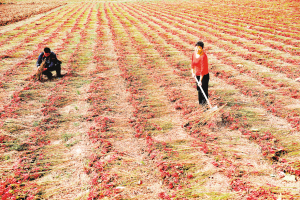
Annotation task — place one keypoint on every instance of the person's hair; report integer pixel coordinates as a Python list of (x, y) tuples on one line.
[(200, 43), (47, 50)]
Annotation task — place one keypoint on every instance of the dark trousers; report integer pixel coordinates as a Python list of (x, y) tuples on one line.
[(56, 68), (205, 81)]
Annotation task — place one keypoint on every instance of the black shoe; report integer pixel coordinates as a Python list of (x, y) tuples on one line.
[(59, 76), (203, 103), (50, 77)]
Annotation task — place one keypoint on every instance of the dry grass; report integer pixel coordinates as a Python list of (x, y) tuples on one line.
[(139, 177), (12, 12), (38, 75)]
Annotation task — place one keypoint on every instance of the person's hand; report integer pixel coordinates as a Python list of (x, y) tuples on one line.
[(193, 75), (199, 83)]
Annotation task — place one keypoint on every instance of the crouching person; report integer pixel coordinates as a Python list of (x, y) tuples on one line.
[(52, 63)]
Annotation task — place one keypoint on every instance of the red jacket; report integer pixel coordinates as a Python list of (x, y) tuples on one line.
[(200, 64)]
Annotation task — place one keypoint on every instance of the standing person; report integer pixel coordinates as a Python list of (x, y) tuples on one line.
[(52, 63), (199, 69)]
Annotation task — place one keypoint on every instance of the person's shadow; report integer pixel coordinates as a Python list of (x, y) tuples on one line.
[(54, 78)]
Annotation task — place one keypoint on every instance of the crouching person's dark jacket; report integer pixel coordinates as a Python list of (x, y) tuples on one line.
[(51, 60)]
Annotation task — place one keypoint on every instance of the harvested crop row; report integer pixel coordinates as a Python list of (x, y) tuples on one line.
[(176, 44), (184, 47), (9, 35), (230, 24), (67, 117), (9, 109), (179, 147), (258, 20), (148, 32), (17, 44), (20, 68), (11, 13), (103, 158), (285, 86), (141, 113), (123, 123), (32, 38), (234, 182), (148, 111), (249, 51), (256, 50), (183, 68), (45, 128)]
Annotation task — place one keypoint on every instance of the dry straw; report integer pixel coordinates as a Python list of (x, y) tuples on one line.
[(38, 75)]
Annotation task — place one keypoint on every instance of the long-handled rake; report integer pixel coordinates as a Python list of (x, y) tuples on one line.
[(211, 108)]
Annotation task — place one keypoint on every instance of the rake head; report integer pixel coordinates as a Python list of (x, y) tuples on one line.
[(215, 108)]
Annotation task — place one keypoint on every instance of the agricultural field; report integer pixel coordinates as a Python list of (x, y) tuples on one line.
[(12, 11), (124, 121)]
